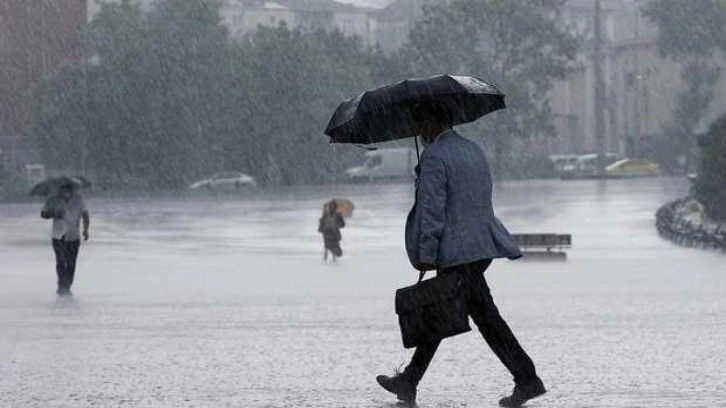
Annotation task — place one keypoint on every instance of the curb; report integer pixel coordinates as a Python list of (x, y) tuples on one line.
[(671, 225)]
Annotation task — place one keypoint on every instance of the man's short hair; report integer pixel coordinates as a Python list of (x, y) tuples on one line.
[(432, 112)]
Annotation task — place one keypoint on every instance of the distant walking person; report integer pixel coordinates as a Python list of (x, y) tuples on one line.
[(330, 224), (452, 229), (66, 209)]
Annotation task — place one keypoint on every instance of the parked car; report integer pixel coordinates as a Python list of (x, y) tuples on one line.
[(586, 166), (228, 180), (628, 168), (388, 163), (562, 162)]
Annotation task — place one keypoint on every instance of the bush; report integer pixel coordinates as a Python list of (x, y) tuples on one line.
[(710, 187)]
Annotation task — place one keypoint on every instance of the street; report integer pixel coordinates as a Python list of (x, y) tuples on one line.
[(204, 302)]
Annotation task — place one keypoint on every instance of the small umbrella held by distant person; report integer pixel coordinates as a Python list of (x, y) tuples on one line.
[(52, 185), (386, 113), (345, 206)]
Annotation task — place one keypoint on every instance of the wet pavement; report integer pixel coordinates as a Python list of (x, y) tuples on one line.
[(225, 302)]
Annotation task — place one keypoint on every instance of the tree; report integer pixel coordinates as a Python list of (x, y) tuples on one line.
[(710, 187), (174, 99), (519, 45), (688, 29), (296, 81), (146, 111), (691, 32)]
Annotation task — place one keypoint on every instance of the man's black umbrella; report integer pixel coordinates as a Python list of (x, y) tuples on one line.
[(384, 113), (52, 185)]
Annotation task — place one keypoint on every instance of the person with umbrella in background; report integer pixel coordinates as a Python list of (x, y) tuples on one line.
[(452, 227), (66, 207), (330, 224)]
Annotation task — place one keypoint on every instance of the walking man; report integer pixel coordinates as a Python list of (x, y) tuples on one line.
[(452, 229), (66, 209)]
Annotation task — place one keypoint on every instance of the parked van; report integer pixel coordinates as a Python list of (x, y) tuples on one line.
[(586, 166), (563, 162), (388, 163)]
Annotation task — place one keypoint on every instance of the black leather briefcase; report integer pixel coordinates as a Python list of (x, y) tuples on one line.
[(432, 310)]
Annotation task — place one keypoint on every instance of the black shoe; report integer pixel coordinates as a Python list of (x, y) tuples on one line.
[(405, 390), (523, 393)]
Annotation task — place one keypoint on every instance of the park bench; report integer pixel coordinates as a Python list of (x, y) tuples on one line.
[(547, 245)]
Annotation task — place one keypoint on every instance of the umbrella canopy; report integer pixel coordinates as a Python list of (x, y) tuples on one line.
[(52, 185), (345, 206), (385, 113)]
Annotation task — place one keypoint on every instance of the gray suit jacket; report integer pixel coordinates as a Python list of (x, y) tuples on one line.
[(452, 222)]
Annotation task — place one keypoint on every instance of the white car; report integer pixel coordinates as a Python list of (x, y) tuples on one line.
[(228, 180), (387, 163)]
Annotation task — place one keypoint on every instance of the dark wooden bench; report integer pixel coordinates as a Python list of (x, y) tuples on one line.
[(543, 244)]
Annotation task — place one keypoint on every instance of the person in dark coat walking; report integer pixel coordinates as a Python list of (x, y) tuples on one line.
[(452, 229), (329, 225)]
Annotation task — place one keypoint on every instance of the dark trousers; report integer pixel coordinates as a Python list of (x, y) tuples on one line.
[(66, 253), (492, 326), (333, 245)]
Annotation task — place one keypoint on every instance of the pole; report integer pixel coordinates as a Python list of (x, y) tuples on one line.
[(638, 137), (84, 137), (597, 62), (88, 63)]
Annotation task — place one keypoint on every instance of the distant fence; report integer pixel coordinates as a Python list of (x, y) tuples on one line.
[(671, 225)]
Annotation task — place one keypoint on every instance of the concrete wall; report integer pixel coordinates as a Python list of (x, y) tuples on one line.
[(242, 19), (250, 19), (356, 23)]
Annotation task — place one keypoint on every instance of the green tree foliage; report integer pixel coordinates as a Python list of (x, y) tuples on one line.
[(519, 45), (173, 99), (691, 32), (688, 29), (144, 111), (295, 83), (692, 104), (710, 187)]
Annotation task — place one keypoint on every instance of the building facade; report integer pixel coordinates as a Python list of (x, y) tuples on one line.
[(242, 17), (641, 86)]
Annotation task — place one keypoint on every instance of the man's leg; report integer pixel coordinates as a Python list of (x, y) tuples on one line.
[(420, 361), (404, 384), (500, 338), (60, 263), (494, 329), (337, 250), (72, 251)]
